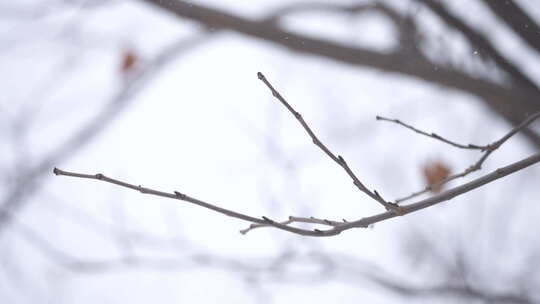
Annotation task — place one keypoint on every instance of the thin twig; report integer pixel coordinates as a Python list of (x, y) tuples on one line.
[(338, 228), (486, 150), (439, 198), (296, 219), (432, 135), (338, 159), (183, 197)]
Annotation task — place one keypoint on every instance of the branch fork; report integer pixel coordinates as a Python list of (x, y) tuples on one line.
[(336, 227)]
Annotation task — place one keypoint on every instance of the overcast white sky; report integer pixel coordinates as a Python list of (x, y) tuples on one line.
[(206, 126)]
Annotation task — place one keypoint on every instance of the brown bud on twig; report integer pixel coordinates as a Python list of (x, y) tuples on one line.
[(129, 60)]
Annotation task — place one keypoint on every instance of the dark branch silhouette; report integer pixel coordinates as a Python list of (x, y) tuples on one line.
[(510, 102), (517, 19)]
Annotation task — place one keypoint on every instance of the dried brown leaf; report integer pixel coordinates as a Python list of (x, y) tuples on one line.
[(434, 173)]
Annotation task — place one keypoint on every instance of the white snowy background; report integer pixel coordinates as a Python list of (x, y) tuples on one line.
[(206, 126)]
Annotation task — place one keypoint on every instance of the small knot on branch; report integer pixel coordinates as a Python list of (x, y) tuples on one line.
[(267, 220), (181, 196), (473, 168), (141, 189), (244, 231), (493, 146), (381, 199), (100, 176), (395, 208)]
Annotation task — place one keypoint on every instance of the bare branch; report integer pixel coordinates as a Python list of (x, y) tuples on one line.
[(478, 40), (496, 96), (296, 219), (183, 197), (517, 19), (338, 159), (161, 263), (335, 7), (340, 264), (432, 135), (337, 229), (404, 25), (448, 290), (449, 194), (487, 150)]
